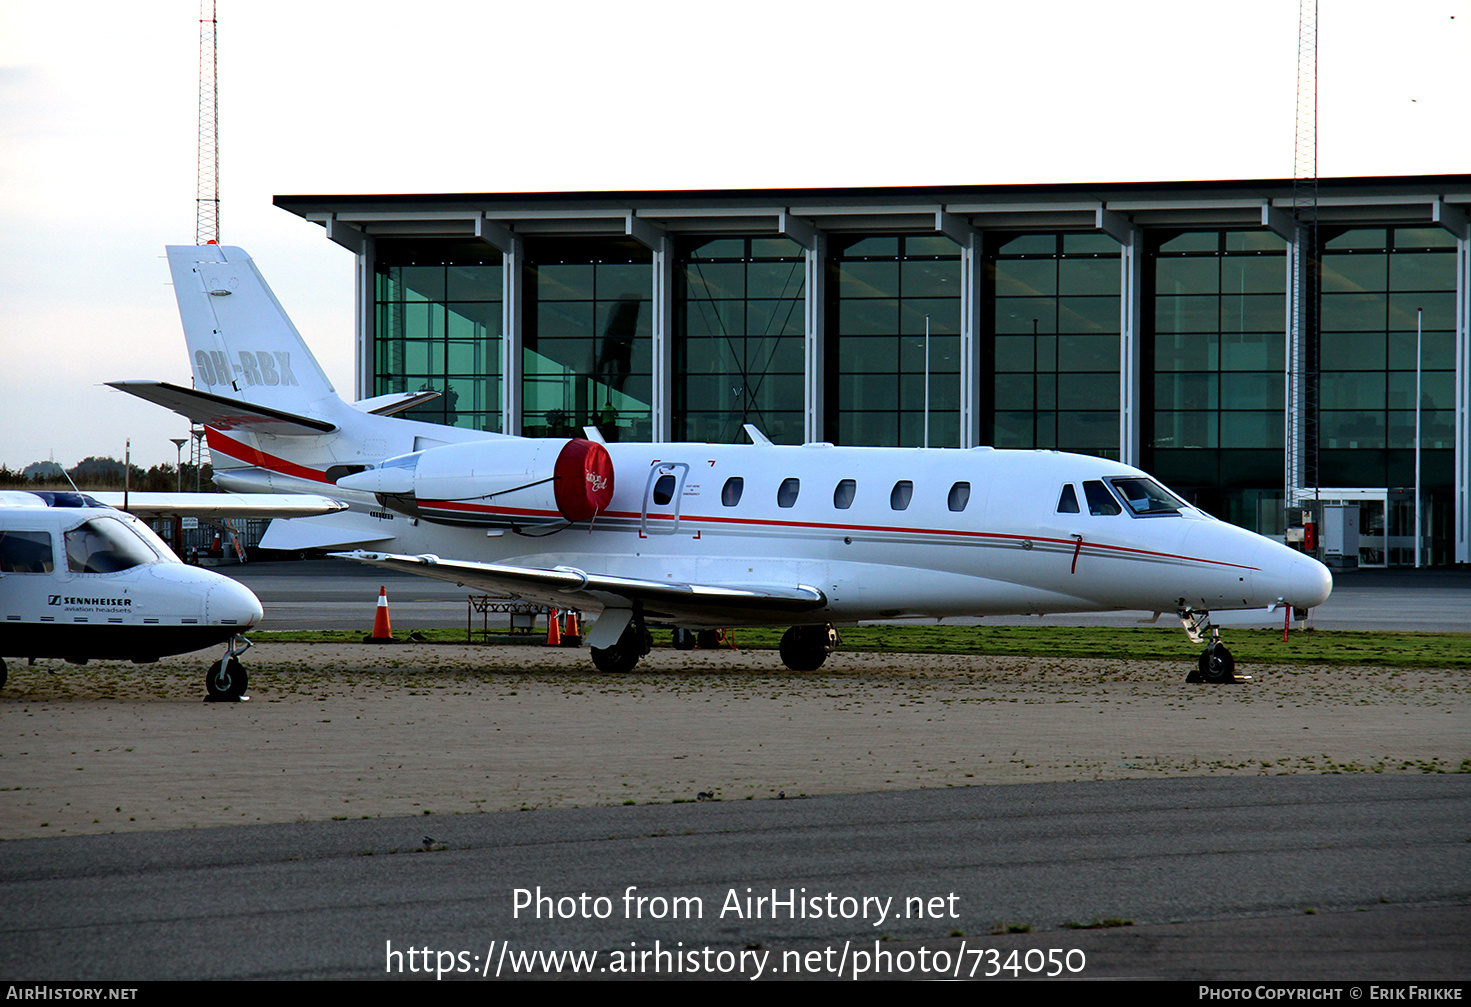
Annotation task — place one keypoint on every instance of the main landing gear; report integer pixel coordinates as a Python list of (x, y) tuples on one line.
[(804, 648), (225, 681), (1216, 665), (621, 658)]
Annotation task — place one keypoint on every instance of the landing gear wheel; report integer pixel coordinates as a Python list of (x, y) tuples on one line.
[(1217, 666), (225, 681), (708, 639), (804, 648), (622, 657), (684, 639)]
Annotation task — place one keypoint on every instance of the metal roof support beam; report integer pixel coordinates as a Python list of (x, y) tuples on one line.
[(1278, 221), (1132, 264), (662, 406), (1461, 493), (365, 329), (513, 258), (1115, 225), (513, 263), (1452, 218), (349, 237), (969, 240), (657, 240), (364, 281), (640, 230), (1131, 333), (799, 230), (814, 321), (491, 233)]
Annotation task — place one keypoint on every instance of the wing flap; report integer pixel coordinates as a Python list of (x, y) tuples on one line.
[(565, 586)]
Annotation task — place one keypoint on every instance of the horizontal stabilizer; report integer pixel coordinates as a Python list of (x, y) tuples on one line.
[(558, 586), (221, 413), (223, 505), (394, 403)]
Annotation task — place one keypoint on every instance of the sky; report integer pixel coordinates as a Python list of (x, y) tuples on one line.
[(99, 114)]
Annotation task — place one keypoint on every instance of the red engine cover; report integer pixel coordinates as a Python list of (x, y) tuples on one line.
[(583, 479)]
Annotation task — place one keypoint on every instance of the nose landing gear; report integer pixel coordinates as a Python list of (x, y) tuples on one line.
[(226, 680), (1216, 665)]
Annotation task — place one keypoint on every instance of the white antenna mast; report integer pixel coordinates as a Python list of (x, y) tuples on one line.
[(207, 187)]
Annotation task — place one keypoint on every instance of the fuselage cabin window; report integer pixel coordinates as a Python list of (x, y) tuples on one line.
[(843, 494), (959, 496), (786, 496), (901, 494)]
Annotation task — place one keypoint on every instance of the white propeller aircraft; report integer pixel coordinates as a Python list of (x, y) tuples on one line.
[(81, 580), (698, 536)]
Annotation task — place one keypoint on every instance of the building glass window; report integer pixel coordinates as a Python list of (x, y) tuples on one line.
[(438, 328), (1213, 363), (1373, 282), (1056, 325), (738, 343), (587, 354), (880, 289)]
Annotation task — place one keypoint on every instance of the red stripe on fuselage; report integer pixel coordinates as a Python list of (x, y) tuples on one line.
[(822, 526), (252, 456)]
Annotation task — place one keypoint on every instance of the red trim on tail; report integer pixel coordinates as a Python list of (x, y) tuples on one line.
[(229, 446)]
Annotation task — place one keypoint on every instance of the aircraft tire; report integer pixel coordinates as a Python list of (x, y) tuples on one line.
[(805, 648), (622, 657), (226, 684), (684, 639), (3, 673), (708, 639), (1217, 666)]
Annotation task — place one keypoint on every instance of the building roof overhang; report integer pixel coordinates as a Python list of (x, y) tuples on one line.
[(502, 217)]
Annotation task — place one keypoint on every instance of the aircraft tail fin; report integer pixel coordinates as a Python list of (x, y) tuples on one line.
[(242, 345)]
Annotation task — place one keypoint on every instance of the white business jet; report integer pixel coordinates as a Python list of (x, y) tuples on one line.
[(81, 580), (698, 536)]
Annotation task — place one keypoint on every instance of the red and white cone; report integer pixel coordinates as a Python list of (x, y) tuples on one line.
[(382, 630), (554, 629)]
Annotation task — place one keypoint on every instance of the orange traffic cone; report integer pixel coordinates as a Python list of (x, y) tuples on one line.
[(571, 634), (554, 631), (382, 631)]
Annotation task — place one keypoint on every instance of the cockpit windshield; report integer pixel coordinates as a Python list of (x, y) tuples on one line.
[(106, 545), (1147, 497)]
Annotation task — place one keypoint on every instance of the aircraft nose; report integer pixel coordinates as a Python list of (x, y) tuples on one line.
[(1310, 582), (233, 601)]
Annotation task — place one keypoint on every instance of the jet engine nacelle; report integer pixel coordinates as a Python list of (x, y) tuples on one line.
[(495, 482)]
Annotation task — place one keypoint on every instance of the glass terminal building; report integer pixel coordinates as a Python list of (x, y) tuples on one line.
[(1191, 329)]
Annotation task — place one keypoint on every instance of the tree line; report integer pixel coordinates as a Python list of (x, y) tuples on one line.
[(103, 473)]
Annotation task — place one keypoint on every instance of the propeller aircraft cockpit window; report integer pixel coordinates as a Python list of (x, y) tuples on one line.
[(105, 545)]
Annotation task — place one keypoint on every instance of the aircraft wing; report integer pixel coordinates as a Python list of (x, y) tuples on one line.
[(566, 587), (223, 505), (222, 413)]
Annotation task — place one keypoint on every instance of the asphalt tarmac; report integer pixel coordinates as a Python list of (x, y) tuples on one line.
[(1299, 878)]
